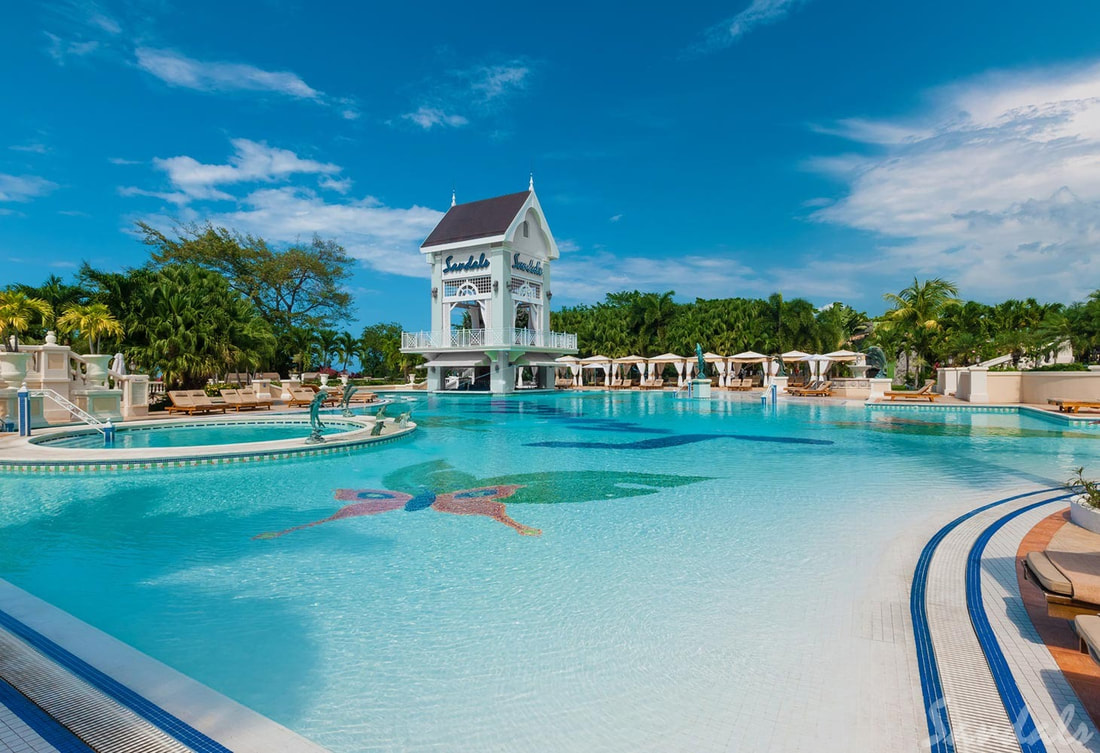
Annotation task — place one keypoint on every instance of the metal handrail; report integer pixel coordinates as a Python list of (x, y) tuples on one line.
[(74, 409)]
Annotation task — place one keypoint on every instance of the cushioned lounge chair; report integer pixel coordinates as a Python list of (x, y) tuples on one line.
[(1061, 593), (824, 389), (924, 393), (1072, 406), (654, 384), (1087, 627), (300, 396), (204, 403), (180, 402)]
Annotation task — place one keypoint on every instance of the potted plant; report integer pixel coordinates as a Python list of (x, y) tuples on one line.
[(1084, 509)]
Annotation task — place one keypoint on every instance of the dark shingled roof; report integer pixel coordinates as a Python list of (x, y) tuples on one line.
[(477, 219)]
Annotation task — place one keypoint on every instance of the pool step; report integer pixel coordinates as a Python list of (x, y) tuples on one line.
[(98, 720)]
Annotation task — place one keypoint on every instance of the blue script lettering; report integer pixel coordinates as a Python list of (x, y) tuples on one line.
[(531, 268), (469, 265)]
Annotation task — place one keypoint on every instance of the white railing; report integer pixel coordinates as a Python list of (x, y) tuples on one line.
[(73, 408), (483, 338)]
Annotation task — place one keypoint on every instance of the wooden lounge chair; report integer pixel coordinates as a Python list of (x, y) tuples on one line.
[(1087, 627), (654, 384), (248, 397), (924, 393), (300, 396), (180, 402), (798, 389), (362, 396), (1062, 591), (233, 400), (824, 389), (204, 403), (1073, 406), (563, 383)]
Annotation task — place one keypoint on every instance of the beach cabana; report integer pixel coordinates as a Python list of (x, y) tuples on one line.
[(628, 362), (599, 362), (574, 365), (678, 361), (750, 357)]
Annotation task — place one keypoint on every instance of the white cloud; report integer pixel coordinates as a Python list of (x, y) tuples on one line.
[(759, 13), (494, 81), (179, 70), (35, 148), (384, 238), (615, 218), (23, 187), (477, 91), (252, 161), (342, 185), (429, 117), (62, 49), (124, 161), (996, 186)]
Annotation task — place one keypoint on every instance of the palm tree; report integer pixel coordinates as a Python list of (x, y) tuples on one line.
[(17, 312), (55, 292), (90, 321), (326, 340), (346, 347), (917, 311)]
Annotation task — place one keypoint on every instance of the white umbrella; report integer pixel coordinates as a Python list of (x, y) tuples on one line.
[(795, 355), (748, 356)]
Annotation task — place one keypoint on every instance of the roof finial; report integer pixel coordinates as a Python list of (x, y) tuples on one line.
[(531, 183), (452, 197)]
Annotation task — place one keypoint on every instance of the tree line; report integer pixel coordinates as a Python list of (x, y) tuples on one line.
[(210, 302), (926, 325)]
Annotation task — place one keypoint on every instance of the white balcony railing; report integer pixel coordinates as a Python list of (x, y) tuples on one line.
[(488, 338)]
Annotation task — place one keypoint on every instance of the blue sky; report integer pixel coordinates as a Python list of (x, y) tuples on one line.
[(825, 149)]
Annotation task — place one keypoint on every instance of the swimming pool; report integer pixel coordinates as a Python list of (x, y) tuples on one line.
[(590, 571), (189, 435)]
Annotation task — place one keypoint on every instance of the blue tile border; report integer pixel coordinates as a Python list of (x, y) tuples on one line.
[(44, 725), (156, 464), (112, 688), (1022, 723), (939, 725)]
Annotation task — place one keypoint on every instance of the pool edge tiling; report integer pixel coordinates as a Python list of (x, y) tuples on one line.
[(171, 703)]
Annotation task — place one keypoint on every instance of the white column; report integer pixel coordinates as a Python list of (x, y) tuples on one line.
[(979, 384)]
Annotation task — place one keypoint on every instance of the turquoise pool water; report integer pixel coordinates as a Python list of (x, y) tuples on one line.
[(691, 577), (186, 436)]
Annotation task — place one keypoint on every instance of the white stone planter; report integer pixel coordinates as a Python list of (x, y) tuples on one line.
[(13, 368), (1082, 515), (324, 380), (95, 369)]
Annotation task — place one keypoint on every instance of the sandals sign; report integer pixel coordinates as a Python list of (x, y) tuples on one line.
[(531, 267)]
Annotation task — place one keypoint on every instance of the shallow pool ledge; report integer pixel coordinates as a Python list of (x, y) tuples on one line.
[(21, 454), (208, 713)]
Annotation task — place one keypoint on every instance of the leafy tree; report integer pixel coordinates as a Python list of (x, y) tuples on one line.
[(18, 312), (916, 314), (55, 292), (189, 326), (346, 348), (299, 286), (90, 321)]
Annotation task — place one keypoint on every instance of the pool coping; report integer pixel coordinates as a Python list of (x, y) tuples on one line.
[(164, 697), (21, 455)]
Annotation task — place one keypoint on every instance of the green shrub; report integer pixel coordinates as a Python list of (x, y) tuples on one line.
[(1062, 367), (1082, 486)]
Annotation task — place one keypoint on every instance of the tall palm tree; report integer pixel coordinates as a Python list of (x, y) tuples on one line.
[(90, 321), (346, 347), (917, 311), (17, 313), (55, 292)]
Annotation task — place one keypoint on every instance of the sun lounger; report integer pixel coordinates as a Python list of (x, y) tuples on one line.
[(654, 384), (1087, 627), (180, 402), (239, 400), (924, 393), (204, 403), (1071, 593), (248, 397), (799, 389), (300, 396), (1073, 406), (563, 383), (362, 396), (824, 389)]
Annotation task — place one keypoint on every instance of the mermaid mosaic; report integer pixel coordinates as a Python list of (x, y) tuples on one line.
[(438, 486)]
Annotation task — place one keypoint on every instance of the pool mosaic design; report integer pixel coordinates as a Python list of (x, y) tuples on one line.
[(388, 600)]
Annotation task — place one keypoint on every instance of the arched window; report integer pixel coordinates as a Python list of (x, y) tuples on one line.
[(526, 230)]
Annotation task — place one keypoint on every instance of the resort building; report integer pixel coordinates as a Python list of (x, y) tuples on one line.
[(490, 298)]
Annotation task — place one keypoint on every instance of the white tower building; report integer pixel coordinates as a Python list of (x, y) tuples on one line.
[(491, 298)]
